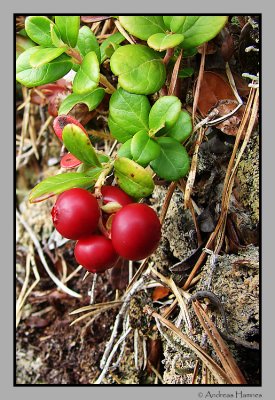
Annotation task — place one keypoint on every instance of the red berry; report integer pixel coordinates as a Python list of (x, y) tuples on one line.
[(95, 253), (76, 213), (136, 231), (113, 193)]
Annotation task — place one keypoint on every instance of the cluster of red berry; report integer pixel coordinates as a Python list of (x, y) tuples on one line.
[(134, 233)]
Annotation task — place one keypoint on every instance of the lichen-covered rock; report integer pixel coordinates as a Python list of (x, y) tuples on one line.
[(178, 232), (235, 280), (248, 178)]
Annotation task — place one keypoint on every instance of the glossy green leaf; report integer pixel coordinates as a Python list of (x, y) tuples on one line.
[(182, 129), (164, 112), (174, 23), (125, 150), (128, 114), (87, 42), (111, 49), (162, 41), (92, 172), (87, 77), (140, 69), (186, 72), (114, 39), (143, 148), (56, 38), (68, 27), (45, 55), (173, 161), (143, 26), (132, 178), (200, 29), (59, 183), (38, 28), (92, 100), (77, 143), (47, 73)]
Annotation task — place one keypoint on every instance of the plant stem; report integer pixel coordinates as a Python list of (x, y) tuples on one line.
[(77, 58), (104, 81)]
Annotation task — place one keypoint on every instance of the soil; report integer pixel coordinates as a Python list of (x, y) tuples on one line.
[(49, 350)]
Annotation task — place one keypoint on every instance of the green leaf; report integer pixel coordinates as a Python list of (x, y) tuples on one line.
[(140, 69), (174, 23), (164, 112), (186, 72), (55, 37), (87, 42), (128, 114), (132, 178), (114, 39), (144, 149), (181, 129), (92, 100), (200, 29), (125, 150), (162, 41), (78, 143), (68, 27), (87, 77), (47, 73), (143, 26), (173, 161), (59, 183), (38, 29), (43, 56)]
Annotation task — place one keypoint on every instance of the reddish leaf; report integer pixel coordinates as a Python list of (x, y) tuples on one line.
[(69, 161), (52, 94), (160, 292), (93, 18), (61, 121), (213, 88)]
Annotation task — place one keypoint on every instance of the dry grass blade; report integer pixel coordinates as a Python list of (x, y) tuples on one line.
[(193, 169), (175, 75), (25, 123), (215, 369), (231, 368), (123, 32), (43, 259), (199, 80), (95, 306), (98, 310), (24, 293), (32, 131), (177, 292)]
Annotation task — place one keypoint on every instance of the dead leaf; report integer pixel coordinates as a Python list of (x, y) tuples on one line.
[(213, 88), (160, 292), (93, 18)]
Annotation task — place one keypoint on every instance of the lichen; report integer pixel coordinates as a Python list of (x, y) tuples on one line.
[(248, 178)]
